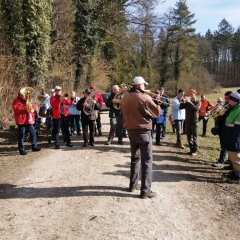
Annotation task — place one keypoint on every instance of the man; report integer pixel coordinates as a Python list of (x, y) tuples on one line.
[(88, 121), (166, 103), (25, 119), (99, 98), (231, 135), (49, 111), (74, 113), (205, 107), (178, 116), (60, 115), (116, 118), (138, 109), (191, 105), (219, 124)]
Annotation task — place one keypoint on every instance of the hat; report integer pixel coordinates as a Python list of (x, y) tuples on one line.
[(52, 90), (57, 88), (214, 131), (192, 91), (91, 86), (180, 90), (161, 88), (157, 91), (235, 97), (138, 80), (87, 91)]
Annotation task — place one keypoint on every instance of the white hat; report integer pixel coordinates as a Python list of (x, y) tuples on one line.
[(52, 90), (139, 80), (57, 88)]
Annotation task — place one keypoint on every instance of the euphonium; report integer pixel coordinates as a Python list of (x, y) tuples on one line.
[(217, 111), (27, 91), (90, 101), (119, 96)]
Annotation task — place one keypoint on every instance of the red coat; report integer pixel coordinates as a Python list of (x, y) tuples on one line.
[(21, 115), (99, 98), (56, 103)]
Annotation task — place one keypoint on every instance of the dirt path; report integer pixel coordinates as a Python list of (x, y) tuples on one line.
[(82, 193)]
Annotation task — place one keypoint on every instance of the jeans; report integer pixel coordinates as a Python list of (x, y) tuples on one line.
[(159, 126), (21, 133), (178, 126), (75, 118), (141, 157)]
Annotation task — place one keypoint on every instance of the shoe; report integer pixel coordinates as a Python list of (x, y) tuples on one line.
[(218, 164), (84, 145), (148, 195), (69, 145), (124, 135), (228, 162), (79, 133), (159, 144), (193, 154), (57, 146), (92, 144), (203, 135), (180, 144), (100, 133), (120, 142), (36, 149), (132, 189), (108, 142), (229, 167), (23, 153), (233, 176)]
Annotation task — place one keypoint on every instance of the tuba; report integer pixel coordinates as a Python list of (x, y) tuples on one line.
[(119, 95), (89, 110), (27, 91)]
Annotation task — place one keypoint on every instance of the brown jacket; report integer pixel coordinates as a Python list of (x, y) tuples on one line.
[(138, 108)]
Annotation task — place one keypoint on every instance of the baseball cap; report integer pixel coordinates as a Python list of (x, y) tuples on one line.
[(57, 88), (87, 91), (139, 80), (91, 86)]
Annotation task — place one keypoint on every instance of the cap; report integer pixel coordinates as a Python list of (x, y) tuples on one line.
[(52, 90), (87, 91), (139, 80), (157, 91), (57, 88), (161, 88), (91, 86), (192, 91), (235, 97), (180, 90)]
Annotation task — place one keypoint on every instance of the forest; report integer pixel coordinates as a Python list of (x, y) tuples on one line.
[(73, 43)]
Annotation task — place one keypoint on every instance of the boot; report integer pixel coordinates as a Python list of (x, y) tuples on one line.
[(181, 145)]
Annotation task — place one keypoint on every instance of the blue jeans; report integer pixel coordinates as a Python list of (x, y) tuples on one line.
[(21, 133), (178, 126)]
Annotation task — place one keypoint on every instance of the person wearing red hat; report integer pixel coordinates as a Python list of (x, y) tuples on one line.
[(98, 97), (191, 105), (25, 119)]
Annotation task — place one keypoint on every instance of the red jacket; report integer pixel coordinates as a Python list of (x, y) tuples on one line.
[(21, 115), (99, 98), (56, 103)]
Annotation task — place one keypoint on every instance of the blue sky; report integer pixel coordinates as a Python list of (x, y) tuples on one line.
[(208, 13)]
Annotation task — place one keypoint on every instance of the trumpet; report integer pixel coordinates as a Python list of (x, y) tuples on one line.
[(217, 111), (66, 95)]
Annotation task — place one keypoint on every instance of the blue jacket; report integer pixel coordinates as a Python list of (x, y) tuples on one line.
[(161, 118), (73, 110), (177, 114)]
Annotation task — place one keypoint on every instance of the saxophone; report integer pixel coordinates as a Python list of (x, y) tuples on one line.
[(89, 110)]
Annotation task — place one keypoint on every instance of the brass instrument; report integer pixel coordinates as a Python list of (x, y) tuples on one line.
[(42, 97), (153, 96), (66, 95), (90, 101), (217, 111), (119, 95), (27, 91)]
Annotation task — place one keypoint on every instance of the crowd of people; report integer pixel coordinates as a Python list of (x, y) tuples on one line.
[(141, 115)]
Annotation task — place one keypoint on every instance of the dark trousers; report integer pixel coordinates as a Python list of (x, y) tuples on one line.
[(21, 134), (204, 124), (62, 123), (159, 127), (141, 155), (119, 119), (178, 126), (75, 118), (192, 136), (91, 125), (98, 122)]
